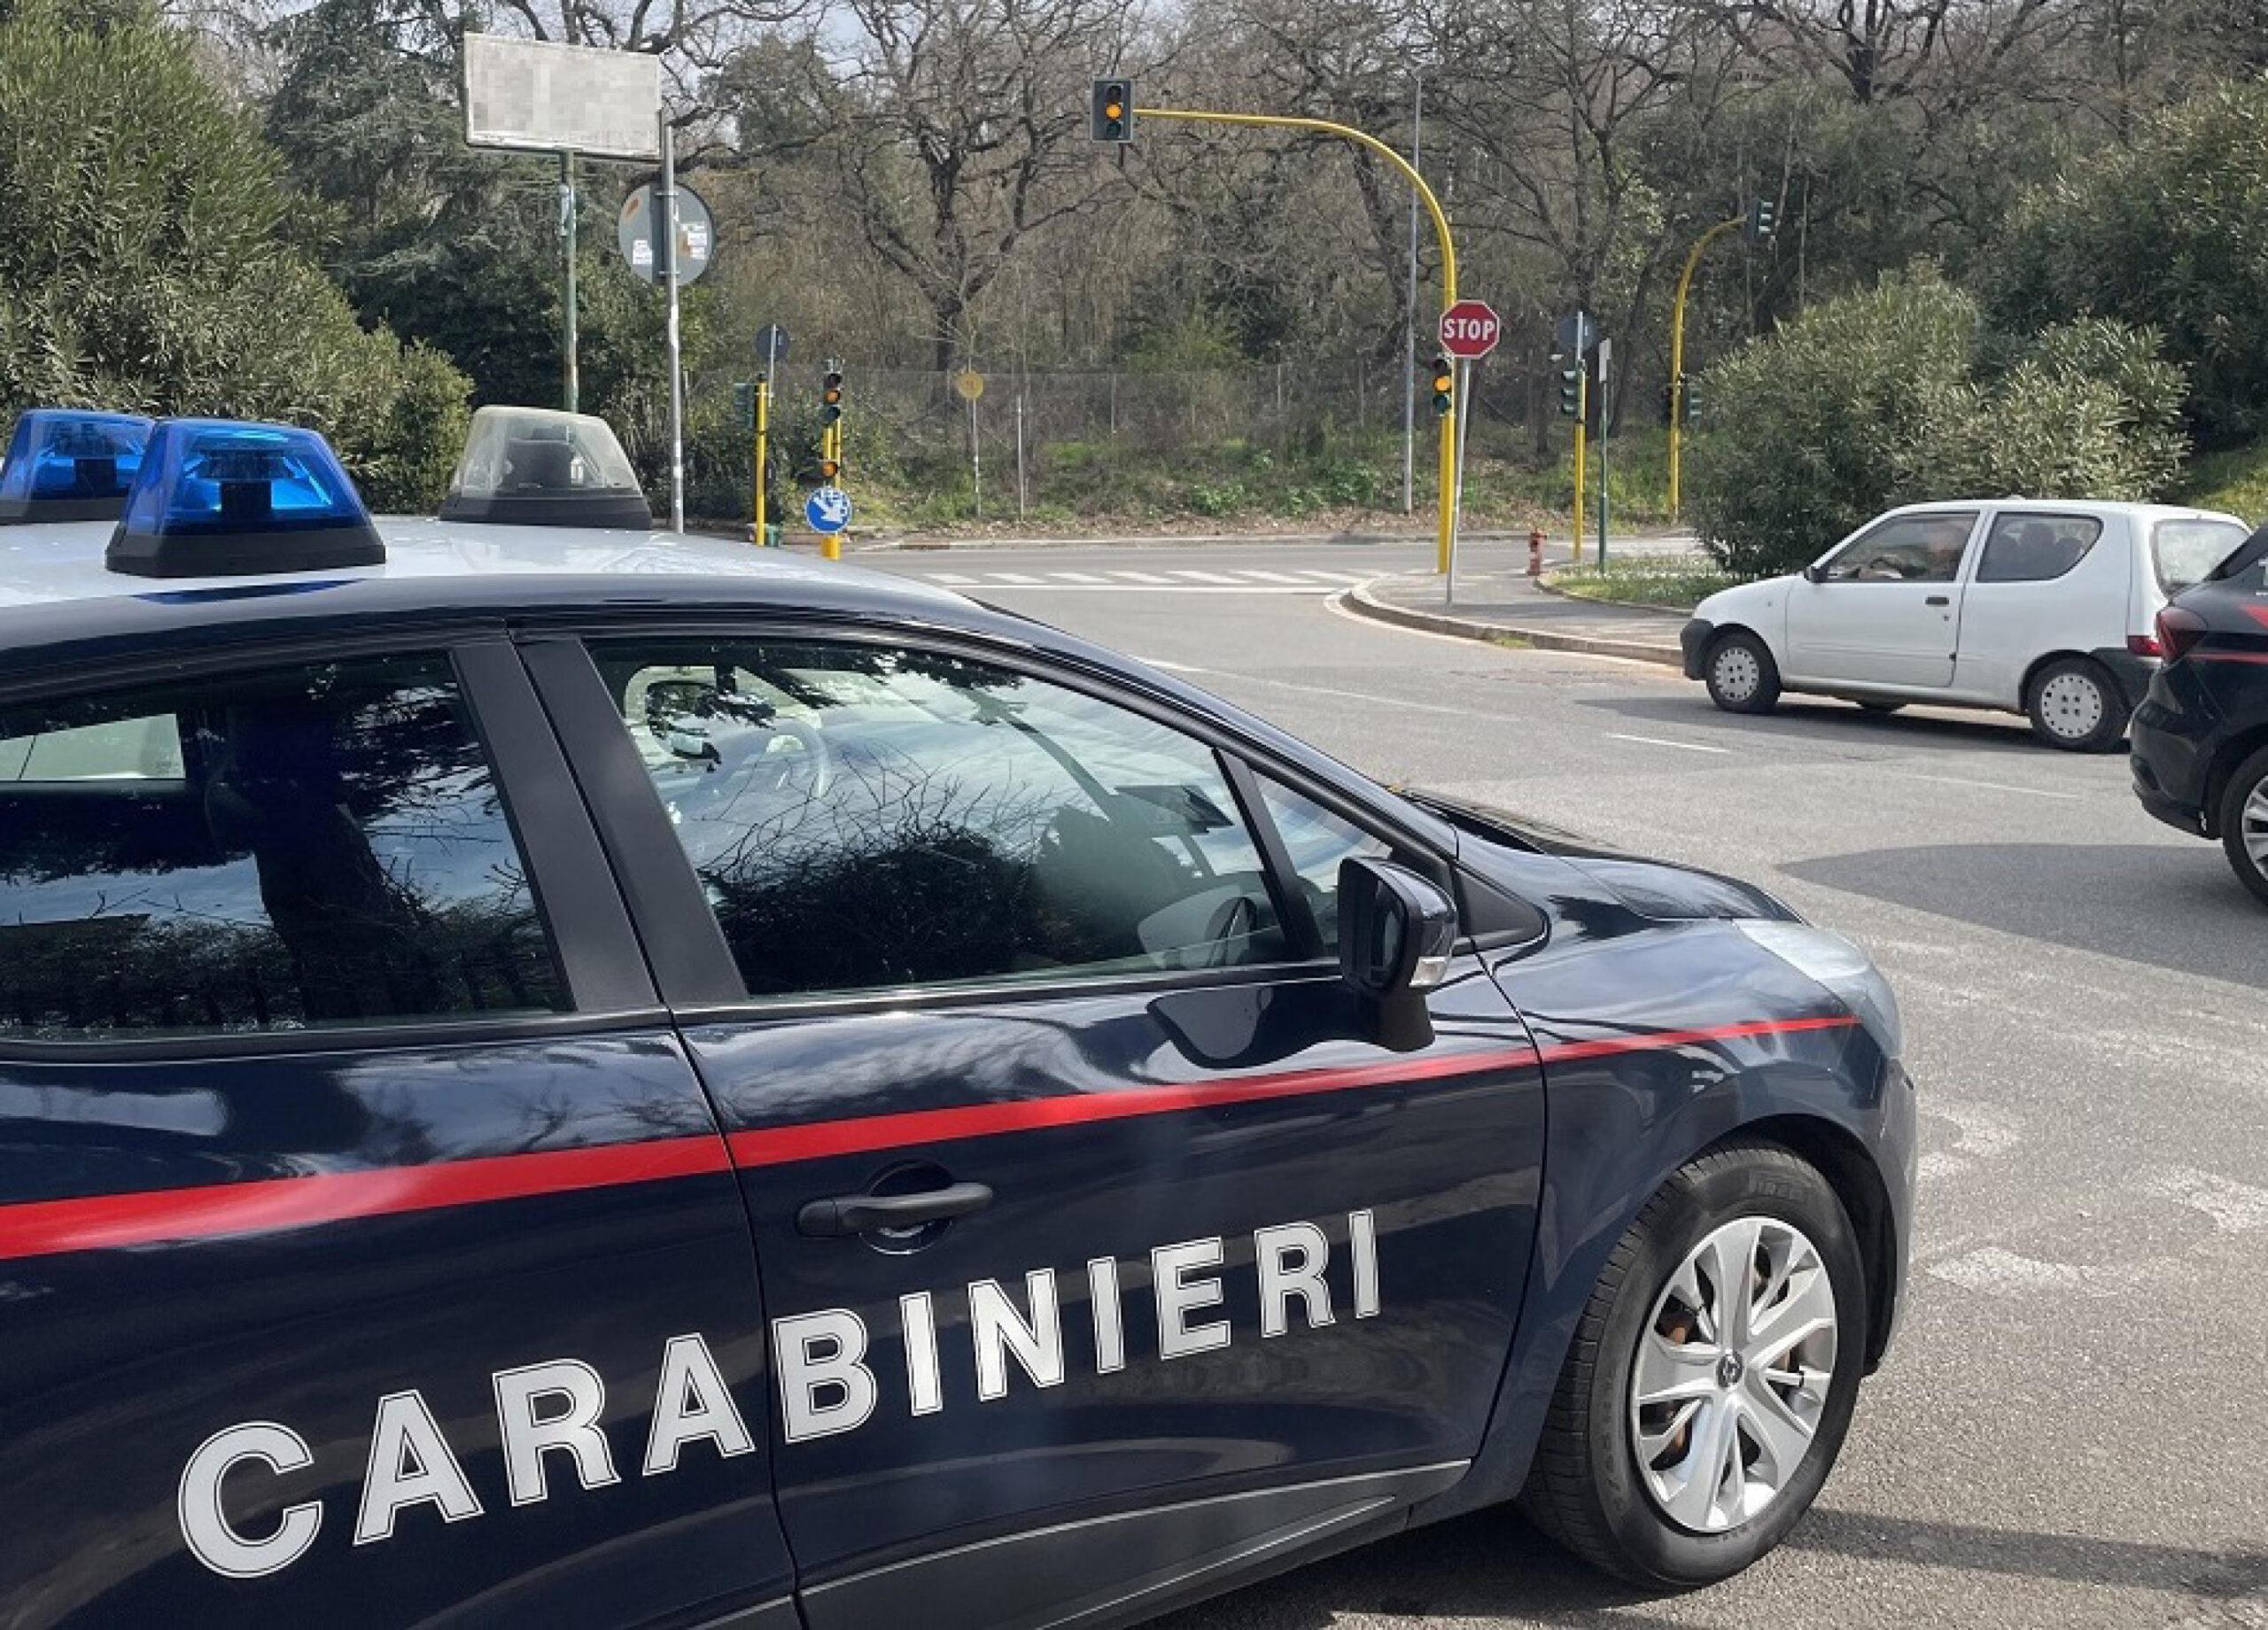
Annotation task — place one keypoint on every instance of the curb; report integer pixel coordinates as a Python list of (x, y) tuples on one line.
[(1168, 540), (1544, 586), (1360, 601)]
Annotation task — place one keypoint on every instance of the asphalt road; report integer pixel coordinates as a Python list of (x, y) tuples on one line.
[(2073, 1427)]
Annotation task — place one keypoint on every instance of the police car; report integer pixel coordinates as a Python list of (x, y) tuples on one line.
[(557, 1074)]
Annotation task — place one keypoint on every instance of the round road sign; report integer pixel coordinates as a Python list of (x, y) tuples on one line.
[(827, 509), (970, 383), (1469, 330), (633, 230)]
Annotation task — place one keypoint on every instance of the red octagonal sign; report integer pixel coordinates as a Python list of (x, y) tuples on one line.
[(1469, 330)]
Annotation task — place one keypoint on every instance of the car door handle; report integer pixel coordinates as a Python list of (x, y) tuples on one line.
[(848, 1215), (1939, 600)]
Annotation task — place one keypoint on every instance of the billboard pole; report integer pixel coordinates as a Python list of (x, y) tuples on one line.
[(666, 253), (567, 345)]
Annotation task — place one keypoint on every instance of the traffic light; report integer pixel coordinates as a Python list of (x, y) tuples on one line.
[(744, 404), (1690, 401), (1114, 110), (1669, 403), (828, 468), (1571, 384), (830, 397), (1763, 220), (1444, 387)]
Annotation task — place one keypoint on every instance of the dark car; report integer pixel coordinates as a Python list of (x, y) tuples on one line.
[(590, 1078), (2201, 735)]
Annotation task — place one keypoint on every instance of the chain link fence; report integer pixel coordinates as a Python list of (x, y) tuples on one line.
[(1318, 434)]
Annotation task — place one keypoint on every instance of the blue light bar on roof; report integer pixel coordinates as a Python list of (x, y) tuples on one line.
[(221, 498), (68, 464)]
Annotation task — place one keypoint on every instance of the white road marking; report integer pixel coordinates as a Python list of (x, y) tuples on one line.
[(1076, 577), (1691, 746), (2235, 1208), (1140, 577), (1272, 576), (1204, 576), (1992, 1269), (1336, 577), (1964, 780), (1017, 577), (1394, 702), (951, 581)]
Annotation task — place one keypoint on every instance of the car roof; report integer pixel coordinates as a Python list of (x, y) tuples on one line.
[(2068, 505), (56, 592)]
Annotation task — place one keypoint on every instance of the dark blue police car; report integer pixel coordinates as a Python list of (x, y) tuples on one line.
[(559, 1077)]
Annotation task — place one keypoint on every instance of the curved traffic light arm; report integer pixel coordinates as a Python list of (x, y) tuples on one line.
[(1677, 348), (1363, 138)]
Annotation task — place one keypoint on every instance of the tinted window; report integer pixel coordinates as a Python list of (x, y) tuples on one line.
[(1318, 841), (2186, 553), (311, 846), (2034, 549), (864, 819), (1906, 548)]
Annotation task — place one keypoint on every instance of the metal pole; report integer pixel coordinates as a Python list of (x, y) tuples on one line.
[(1605, 407), (1410, 310), (1464, 401), (976, 463), (665, 261), (1677, 355), (567, 338), (1020, 454), (762, 433)]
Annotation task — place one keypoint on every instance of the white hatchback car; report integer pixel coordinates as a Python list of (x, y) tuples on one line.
[(2043, 608)]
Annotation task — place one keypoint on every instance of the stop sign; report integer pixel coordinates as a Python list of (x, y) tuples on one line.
[(1469, 330)]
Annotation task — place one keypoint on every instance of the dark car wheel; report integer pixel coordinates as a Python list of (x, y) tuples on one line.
[(1741, 675), (1712, 1376), (2075, 704), (2244, 822)]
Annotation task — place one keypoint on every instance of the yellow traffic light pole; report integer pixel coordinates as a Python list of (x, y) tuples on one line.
[(1286, 121), (1583, 453), (1677, 352), (762, 433)]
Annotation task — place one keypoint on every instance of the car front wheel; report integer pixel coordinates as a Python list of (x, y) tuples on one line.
[(1712, 1379), (2076, 705), (1741, 675), (2244, 822)]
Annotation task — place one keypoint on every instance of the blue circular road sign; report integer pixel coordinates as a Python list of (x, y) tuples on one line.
[(827, 509)]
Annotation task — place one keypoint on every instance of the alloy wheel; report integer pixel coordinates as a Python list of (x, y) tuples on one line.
[(1733, 1372), (2253, 823)]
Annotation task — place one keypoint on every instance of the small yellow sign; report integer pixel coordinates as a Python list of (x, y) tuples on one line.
[(970, 383)]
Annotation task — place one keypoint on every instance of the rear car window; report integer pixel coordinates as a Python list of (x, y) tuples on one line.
[(864, 819), (2036, 548), (272, 851), (2185, 553)]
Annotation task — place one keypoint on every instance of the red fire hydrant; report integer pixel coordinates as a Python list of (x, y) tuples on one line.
[(1535, 552)]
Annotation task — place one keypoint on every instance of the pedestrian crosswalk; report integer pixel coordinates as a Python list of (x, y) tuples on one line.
[(1163, 580)]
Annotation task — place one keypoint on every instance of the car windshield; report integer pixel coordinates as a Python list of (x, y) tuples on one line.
[(2185, 553)]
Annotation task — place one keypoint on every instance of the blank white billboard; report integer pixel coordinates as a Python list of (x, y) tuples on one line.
[(538, 96)]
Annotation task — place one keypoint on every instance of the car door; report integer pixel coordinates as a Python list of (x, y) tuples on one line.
[(2043, 582), (1198, 1270), (1885, 608), (368, 1252)]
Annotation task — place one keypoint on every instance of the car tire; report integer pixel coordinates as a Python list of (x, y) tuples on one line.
[(2244, 823), (2075, 704), (1588, 1488), (1740, 673)]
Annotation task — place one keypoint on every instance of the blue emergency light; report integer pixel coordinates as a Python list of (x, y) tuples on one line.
[(221, 498), (64, 464)]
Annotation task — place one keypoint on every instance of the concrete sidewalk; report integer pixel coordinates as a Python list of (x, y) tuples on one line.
[(1506, 607)]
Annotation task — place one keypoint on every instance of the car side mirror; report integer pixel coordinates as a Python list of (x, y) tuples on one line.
[(1396, 929), (1815, 573)]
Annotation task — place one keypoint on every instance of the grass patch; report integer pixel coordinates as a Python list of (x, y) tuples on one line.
[(2235, 481), (1678, 585)]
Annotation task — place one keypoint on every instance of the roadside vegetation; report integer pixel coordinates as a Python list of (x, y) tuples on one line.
[(1670, 582)]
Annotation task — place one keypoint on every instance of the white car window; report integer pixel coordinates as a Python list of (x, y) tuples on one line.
[(1905, 548), (2186, 552), (2024, 547)]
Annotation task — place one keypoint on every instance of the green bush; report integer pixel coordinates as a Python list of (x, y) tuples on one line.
[(2169, 231), (1894, 395), (143, 264)]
